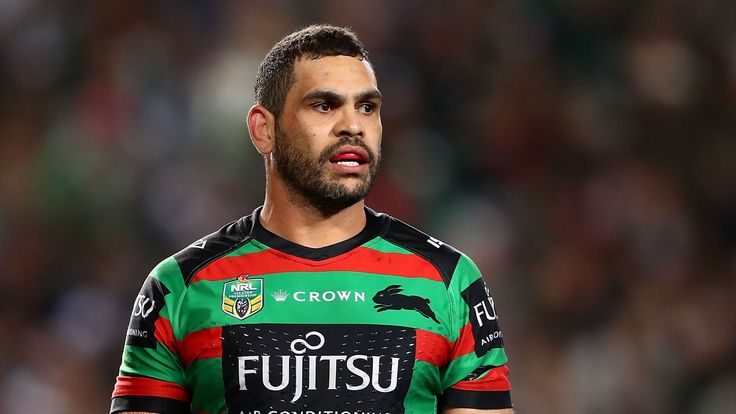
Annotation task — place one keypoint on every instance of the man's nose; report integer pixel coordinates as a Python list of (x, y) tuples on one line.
[(349, 123)]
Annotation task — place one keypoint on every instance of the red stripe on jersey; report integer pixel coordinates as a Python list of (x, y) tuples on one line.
[(497, 379), (149, 387), (432, 348), (202, 344), (164, 333), (465, 343), (361, 259)]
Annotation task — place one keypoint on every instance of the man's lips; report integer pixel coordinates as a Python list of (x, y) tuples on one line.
[(349, 155)]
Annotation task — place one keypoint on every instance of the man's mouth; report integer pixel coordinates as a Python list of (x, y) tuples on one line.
[(350, 157)]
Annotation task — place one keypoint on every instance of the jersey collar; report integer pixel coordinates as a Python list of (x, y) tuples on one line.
[(375, 224)]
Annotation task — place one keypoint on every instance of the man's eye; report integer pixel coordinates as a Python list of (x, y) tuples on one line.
[(322, 107), (367, 108)]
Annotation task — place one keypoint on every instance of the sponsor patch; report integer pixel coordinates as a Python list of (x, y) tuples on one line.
[(336, 368), (483, 317), (242, 297), (146, 308)]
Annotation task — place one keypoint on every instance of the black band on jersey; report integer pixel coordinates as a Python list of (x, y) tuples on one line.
[(233, 235), (443, 257), (476, 399), (153, 404), (209, 248)]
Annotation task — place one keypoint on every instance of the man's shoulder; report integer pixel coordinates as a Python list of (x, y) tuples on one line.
[(213, 246), (443, 256)]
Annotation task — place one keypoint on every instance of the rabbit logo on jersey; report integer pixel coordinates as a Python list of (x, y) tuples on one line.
[(242, 297)]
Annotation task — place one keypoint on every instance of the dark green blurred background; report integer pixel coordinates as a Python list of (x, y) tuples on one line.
[(582, 152)]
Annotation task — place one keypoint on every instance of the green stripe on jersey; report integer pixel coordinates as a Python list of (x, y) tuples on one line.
[(423, 389), (320, 298), (459, 368), (169, 273), (466, 272), (151, 362), (205, 376), (382, 245)]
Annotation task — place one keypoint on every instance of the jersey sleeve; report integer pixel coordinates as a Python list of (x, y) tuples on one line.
[(477, 374), (151, 376)]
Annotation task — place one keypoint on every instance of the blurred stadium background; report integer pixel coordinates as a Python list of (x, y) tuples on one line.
[(582, 152)]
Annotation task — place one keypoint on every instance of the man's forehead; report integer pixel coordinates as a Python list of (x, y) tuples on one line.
[(336, 70)]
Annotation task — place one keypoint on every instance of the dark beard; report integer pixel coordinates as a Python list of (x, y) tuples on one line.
[(306, 176)]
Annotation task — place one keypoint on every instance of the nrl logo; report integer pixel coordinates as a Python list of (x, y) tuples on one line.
[(242, 297)]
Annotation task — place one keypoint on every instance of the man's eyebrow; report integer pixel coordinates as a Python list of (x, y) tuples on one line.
[(323, 95), (330, 96), (373, 94)]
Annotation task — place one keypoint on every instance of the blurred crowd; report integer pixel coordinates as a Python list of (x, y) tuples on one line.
[(582, 152)]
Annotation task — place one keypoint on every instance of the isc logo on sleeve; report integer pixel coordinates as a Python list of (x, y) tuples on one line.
[(143, 306), (146, 308)]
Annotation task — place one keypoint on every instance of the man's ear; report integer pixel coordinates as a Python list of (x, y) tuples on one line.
[(262, 128)]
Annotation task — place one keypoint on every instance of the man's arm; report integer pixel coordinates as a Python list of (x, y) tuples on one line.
[(151, 377), (478, 363)]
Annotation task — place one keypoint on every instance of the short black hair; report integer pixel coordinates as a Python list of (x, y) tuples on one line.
[(276, 73)]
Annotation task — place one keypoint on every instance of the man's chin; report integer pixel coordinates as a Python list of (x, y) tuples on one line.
[(338, 197), (346, 183)]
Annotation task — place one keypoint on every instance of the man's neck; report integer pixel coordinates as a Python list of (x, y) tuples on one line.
[(310, 227)]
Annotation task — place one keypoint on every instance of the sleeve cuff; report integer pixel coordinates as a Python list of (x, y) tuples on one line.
[(476, 399), (153, 404)]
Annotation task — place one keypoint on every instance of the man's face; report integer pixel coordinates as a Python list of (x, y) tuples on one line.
[(328, 137)]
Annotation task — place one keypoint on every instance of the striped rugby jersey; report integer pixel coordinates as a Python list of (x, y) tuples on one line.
[(243, 321)]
